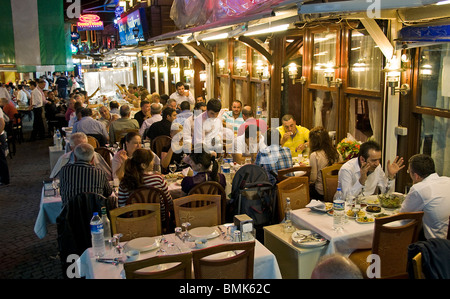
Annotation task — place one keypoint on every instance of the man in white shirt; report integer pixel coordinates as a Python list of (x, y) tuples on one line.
[(4, 171), (364, 173), (182, 95), (37, 102), (208, 128), (155, 111), (430, 194)]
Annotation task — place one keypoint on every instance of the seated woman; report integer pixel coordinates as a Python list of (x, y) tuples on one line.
[(200, 162), (322, 154), (130, 143), (137, 174)]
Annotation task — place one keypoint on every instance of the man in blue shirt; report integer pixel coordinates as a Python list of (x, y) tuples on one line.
[(90, 126)]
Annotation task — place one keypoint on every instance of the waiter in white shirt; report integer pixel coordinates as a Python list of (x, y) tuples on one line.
[(364, 174), (37, 103), (182, 95)]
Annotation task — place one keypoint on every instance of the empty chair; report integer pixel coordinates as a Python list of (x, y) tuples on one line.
[(283, 173), (390, 242), (178, 266), (153, 195), (330, 180), (159, 143), (136, 225), (211, 187), (297, 189), (93, 141), (225, 261), (198, 209)]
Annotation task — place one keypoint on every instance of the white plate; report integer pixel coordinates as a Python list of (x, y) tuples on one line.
[(204, 232), (298, 239), (363, 222), (143, 244)]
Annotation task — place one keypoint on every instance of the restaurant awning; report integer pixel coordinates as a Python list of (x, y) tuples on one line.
[(34, 36)]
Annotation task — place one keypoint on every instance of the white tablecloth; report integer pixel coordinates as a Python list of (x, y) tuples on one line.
[(49, 210), (353, 236), (265, 265)]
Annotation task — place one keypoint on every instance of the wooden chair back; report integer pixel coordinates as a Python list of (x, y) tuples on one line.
[(159, 143), (282, 173), (93, 141), (417, 266), (297, 189), (391, 241), (119, 134), (212, 187), (153, 195), (139, 224), (330, 181), (231, 261), (177, 266), (198, 209), (106, 154)]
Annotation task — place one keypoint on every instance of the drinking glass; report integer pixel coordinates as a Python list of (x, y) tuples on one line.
[(173, 168)]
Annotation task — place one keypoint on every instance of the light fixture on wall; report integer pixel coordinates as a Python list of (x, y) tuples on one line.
[(328, 73), (175, 69), (262, 69), (203, 76), (426, 71), (393, 79), (240, 65), (163, 68), (293, 71)]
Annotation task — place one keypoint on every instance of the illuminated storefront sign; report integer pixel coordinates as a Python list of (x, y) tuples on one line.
[(89, 22), (133, 27)]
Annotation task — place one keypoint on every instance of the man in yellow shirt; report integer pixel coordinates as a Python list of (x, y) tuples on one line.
[(292, 136)]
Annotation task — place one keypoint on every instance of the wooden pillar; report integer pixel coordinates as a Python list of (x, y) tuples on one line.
[(278, 46)]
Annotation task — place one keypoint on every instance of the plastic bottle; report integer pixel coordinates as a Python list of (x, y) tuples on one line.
[(288, 227), (338, 210), (226, 168), (58, 141), (98, 239), (106, 225), (55, 139), (258, 112)]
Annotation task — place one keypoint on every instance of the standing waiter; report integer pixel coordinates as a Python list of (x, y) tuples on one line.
[(37, 103)]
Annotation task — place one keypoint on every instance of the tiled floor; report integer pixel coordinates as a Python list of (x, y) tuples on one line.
[(22, 253)]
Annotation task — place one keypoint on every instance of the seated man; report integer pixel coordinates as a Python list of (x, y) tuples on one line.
[(90, 126), (430, 194), (155, 111), (249, 119), (124, 122), (248, 145), (274, 157), (233, 119), (292, 136), (364, 174), (163, 126), (82, 176), (69, 158)]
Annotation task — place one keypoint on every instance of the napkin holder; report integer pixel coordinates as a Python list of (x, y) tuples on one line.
[(48, 189), (244, 223)]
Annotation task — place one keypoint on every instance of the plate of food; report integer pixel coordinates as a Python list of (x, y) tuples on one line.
[(306, 238), (143, 244), (391, 200), (204, 233), (365, 220), (373, 209)]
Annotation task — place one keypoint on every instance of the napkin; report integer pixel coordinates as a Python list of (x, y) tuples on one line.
[(317, 204), (187, 172)]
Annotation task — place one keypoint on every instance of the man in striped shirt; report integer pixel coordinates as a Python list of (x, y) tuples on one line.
[(82, 176)]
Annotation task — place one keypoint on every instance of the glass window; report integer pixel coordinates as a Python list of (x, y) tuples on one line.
[(365, 61), (365, 119), (324, 56), (240, 59), (435, 141), (222, 58), (325, 109), (260, 66), (434, 76)]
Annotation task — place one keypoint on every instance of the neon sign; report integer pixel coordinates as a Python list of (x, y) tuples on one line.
[(89, 22)]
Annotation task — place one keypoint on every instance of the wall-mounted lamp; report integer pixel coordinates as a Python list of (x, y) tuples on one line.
[(203, 76), (328, 73), (393, 78), (163, 68), (240, 65), (293, 71), (426, 71), (262, 69), (175, 69)]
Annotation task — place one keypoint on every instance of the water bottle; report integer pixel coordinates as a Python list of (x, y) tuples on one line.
[(338, 210), (226, 169), (288, 227), (58, 141), (106, 226), (98, 239), (55, 139), (258, 112)]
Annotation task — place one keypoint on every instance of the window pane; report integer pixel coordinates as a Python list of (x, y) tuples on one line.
[(260, 66), (325, 109), (435, 141), (365, 62), (240, 59), (434, 76), (324, 55), (222, 58)]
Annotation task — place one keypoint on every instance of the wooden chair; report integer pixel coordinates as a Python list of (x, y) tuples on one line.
[(198, 209), (106, 154), (93, 141), (238, 266), (153, 195), (100, 138), (297, 189), (159, 143), (17, 128), (390, 243), (178, 266), (211, 187), (139, 225), (330, 181), (282, 173), (417, 266), (119, 134)]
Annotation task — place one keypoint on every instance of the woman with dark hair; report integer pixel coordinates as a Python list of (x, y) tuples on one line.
[(200, 162), (138, 173), (129, 144), (322, 154)]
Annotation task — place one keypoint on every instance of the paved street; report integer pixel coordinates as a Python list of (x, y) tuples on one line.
[(23, 254)]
